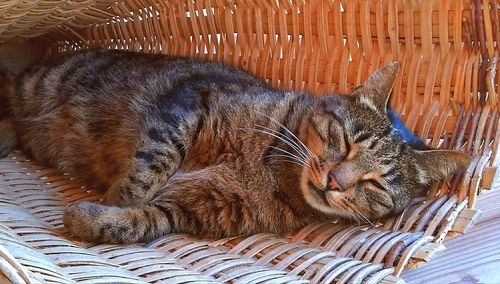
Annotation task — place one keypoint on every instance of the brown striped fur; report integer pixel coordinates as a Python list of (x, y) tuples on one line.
[(183, 145)]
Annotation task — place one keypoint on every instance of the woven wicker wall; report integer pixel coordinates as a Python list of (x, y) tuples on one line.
[(441, 44), (26, 19), (447, 92)]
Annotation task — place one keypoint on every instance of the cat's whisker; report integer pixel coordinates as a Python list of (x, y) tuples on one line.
[(294, 136), (289, 132), (350, 213), (288, 138), (289, 161), (281, 139), (288, 153), (298, 148), (286, 156), (353, 216), (364, 217), (286, 141)]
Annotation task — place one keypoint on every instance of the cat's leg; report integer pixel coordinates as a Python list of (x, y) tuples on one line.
[(151, 167), (208, 202), (7, 137)]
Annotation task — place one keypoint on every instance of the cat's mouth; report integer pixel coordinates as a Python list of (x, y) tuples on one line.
[(327, 201), (324, 199), (319, 193)]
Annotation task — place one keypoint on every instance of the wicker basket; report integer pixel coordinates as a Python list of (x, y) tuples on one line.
[(446, 92)]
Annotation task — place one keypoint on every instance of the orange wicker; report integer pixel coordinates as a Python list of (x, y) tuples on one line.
[(447, 92)]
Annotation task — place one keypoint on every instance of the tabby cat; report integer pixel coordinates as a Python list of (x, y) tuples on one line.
[(184, 145)]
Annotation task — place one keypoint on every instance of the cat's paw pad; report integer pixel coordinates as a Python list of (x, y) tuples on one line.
[(82, 219)]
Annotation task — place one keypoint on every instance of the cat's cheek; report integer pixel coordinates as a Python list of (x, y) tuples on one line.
[(314, 141), (310, 196), (304, 183)]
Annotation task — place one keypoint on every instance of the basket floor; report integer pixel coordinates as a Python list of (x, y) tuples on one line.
[(470, 258)]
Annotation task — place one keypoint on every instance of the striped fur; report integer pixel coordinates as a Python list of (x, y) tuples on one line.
[(182, 145)]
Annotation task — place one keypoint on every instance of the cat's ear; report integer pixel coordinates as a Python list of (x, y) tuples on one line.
[(377, 89), (439, 164)]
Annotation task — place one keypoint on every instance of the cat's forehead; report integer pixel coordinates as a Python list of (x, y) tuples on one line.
[(351, 107), (366, 122)]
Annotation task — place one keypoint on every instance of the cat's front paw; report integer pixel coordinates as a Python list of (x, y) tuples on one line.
[(81, 219)]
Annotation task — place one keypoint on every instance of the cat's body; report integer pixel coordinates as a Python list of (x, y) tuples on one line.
[(183, 145)]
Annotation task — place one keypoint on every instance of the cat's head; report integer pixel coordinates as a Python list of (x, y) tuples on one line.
[(363, 161)]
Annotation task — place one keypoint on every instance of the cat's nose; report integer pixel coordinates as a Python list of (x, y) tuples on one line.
[(332, 183)]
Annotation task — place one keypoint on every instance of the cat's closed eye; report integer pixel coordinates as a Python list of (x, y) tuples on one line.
[(345, 147), (370, 183)]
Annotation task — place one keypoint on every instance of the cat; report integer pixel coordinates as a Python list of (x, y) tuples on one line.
[(183, 145)]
